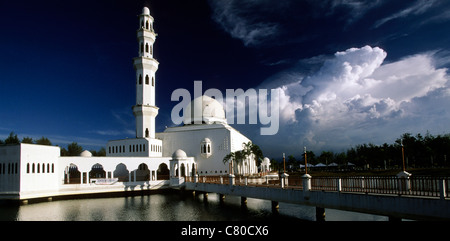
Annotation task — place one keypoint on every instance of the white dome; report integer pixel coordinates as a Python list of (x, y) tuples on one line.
[(266, 161), (204, 110), (178, 154), (146, 11), (86, 153)]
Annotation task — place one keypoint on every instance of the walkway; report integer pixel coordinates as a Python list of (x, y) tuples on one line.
[(412, 198)]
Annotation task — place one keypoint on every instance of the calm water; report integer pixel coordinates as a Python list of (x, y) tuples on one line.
[(169, 207)]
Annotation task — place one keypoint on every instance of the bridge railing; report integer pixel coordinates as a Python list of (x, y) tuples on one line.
[(414, 186)]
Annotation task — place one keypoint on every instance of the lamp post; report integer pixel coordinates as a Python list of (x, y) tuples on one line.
[(306, 162), (403, 155), (284, 164)]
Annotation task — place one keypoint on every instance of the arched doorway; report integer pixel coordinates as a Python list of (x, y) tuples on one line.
[(121, 173), (143, 173), (182, 170), (72, 175), (97, 171), (163, 172)]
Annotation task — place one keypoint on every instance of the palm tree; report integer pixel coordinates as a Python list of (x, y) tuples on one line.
[(237, 157), (252, 150), (249, 150)]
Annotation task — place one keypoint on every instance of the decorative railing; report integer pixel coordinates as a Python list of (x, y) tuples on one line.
[(389, 185)]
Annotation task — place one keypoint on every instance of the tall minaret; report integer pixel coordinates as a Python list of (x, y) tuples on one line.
[(146, 66)]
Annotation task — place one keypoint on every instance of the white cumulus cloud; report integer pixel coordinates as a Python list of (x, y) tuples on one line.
[(355, 95)]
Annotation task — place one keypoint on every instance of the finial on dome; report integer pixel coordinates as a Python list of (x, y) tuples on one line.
[(146, 11)]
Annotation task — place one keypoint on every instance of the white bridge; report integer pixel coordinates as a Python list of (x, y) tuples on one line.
[(422, 198)]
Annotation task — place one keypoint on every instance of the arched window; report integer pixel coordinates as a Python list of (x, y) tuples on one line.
[(142, 47), (153, 81), (206, 148), (53, 168), (146, 48), (142, 23), (28, 168), (147, 134), (140, 79), (151, 50), (146, 25), (147, 80), (33, 168)]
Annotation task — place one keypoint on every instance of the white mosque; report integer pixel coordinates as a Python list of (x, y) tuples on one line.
[(149, 161)]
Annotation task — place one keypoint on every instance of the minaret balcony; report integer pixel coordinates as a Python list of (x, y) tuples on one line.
[(145, 33), (146, 63)]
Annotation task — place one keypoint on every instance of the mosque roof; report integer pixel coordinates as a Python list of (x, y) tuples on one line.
[(204, 110)]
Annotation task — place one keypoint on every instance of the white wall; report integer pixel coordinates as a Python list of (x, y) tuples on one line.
[(140, 147), (224, 140), (9, 176)]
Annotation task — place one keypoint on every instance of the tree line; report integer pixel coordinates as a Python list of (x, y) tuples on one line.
[(419, 151), (73, 149)]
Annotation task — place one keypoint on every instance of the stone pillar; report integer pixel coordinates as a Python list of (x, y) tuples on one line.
[(195, 178), (339, 184), (442, 189), (232, 181), (306, 185), (284, 180), (404, 184)]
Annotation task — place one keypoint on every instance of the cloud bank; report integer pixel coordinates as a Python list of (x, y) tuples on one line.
[(357, 98)]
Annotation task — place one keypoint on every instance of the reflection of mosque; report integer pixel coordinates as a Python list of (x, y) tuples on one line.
[(149, 160)]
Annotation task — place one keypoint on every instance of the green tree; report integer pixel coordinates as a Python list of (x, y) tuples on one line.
[(326, 157), (44, 141), (252, 150), (101, 152), (27, 140), (12, 139), (74, 149)]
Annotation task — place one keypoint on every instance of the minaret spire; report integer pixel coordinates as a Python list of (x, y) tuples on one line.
[(145, 110)]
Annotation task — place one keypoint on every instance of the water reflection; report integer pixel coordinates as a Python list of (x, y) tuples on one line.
[(169, 207)]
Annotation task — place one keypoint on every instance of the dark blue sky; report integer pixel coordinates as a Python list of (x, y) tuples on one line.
[(66, 69)]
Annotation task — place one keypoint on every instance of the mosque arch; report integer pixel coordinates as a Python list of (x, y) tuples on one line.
[(71, 174), (147, 80), (97, 171), (143, 173), (140, 79), (121, 173), (182, 170), (163, 172)]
